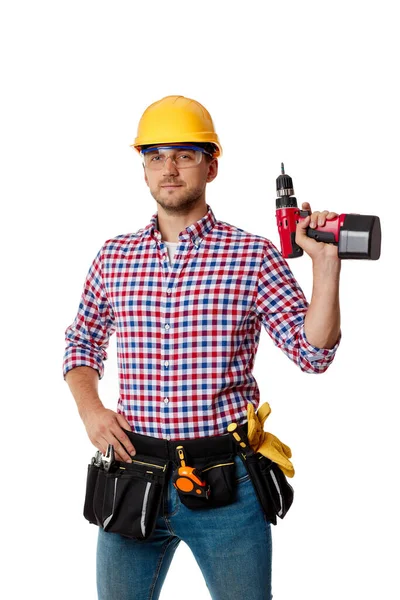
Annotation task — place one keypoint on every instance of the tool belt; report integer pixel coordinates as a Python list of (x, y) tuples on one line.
[(125, 498)]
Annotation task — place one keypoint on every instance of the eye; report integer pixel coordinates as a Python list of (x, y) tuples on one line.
[(185, 156)]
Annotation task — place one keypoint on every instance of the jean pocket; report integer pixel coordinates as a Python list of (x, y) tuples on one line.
[(127, 499), (241, 473)]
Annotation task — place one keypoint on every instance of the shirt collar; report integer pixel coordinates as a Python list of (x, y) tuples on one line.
[(194, 232)]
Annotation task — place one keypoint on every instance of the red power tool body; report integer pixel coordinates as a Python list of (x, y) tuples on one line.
[(357, 236)]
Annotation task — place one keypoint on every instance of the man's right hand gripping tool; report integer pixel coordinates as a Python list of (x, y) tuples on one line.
[(357, 236)]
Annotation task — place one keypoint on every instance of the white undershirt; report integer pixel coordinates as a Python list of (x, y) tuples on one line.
[(171, 247)]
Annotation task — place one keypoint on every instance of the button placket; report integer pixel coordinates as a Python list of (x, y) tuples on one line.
[(184, 252), (169, 276)]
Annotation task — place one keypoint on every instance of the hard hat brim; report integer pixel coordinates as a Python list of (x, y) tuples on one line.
[(189, 139)]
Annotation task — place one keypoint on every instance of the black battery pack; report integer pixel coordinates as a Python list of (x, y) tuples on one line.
[(360, 237)]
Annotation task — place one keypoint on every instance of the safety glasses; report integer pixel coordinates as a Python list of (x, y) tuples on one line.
[(184, 157)]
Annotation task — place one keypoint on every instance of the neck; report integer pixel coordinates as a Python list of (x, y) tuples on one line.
[(171, 225)]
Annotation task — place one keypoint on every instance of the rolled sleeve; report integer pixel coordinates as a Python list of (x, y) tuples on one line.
[(317, 359), (282, 306), (88, 336)]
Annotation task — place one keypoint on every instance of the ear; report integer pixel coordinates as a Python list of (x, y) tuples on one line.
[(212, 170)]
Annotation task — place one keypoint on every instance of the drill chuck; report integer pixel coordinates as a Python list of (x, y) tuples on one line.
[(284, 183)]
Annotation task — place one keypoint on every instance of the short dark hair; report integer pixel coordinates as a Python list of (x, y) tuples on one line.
[(208, 147)]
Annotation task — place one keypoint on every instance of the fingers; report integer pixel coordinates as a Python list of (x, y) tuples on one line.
[(121, 459), (123, 447), (318, 219), (120, 450), (123, 438), (106, 428), (122, 422)]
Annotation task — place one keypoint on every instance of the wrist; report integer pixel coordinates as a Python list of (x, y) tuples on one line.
[(87, 409), (326, 266)]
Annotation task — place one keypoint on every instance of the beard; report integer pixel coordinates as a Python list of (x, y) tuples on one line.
[(180, 204)]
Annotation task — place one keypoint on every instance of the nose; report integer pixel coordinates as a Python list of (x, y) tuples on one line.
[(169, 166)]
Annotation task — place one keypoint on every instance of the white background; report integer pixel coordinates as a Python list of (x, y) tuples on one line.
[(312, 84)]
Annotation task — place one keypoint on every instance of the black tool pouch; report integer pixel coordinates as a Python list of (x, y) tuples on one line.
[(219, 473), (126, 499), (273, 490)]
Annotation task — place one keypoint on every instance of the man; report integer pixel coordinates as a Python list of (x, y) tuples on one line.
[(187, 296)]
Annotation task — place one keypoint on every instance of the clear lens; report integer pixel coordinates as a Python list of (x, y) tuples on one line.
[(183, 158)]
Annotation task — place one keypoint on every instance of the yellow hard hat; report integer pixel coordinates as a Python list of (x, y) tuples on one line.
[(176, 119)]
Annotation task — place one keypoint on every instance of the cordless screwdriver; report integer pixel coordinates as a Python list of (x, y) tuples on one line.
[(357, 236)]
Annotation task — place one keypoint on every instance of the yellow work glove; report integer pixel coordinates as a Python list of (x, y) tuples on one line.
[(265, 443)]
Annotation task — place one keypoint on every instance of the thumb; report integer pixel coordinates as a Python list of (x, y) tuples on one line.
[(122, 422), (304, 223), (302, 226)]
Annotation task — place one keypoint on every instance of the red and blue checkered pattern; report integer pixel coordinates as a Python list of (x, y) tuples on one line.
[(188, 333)]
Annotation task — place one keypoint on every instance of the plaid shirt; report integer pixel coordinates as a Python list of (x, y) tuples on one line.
[(187, 333)]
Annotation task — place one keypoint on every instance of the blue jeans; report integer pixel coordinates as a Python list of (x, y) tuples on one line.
[(231, 544)]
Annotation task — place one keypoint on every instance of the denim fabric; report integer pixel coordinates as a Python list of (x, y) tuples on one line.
[(231, 544)]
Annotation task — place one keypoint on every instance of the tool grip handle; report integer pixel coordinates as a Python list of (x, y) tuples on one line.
[(321, 236)]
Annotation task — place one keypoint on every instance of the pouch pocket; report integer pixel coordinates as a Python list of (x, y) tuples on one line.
[(219, 474), (91, 480), (273, 490), (127, 498), (280, 490)]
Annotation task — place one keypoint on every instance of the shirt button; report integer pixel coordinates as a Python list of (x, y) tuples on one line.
[(168, 437), (169, 290), (166, 400), (166, 364), (167, 326)]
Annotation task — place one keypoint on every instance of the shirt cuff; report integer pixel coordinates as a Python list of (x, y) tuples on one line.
[(313, 354), (76, 357)]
